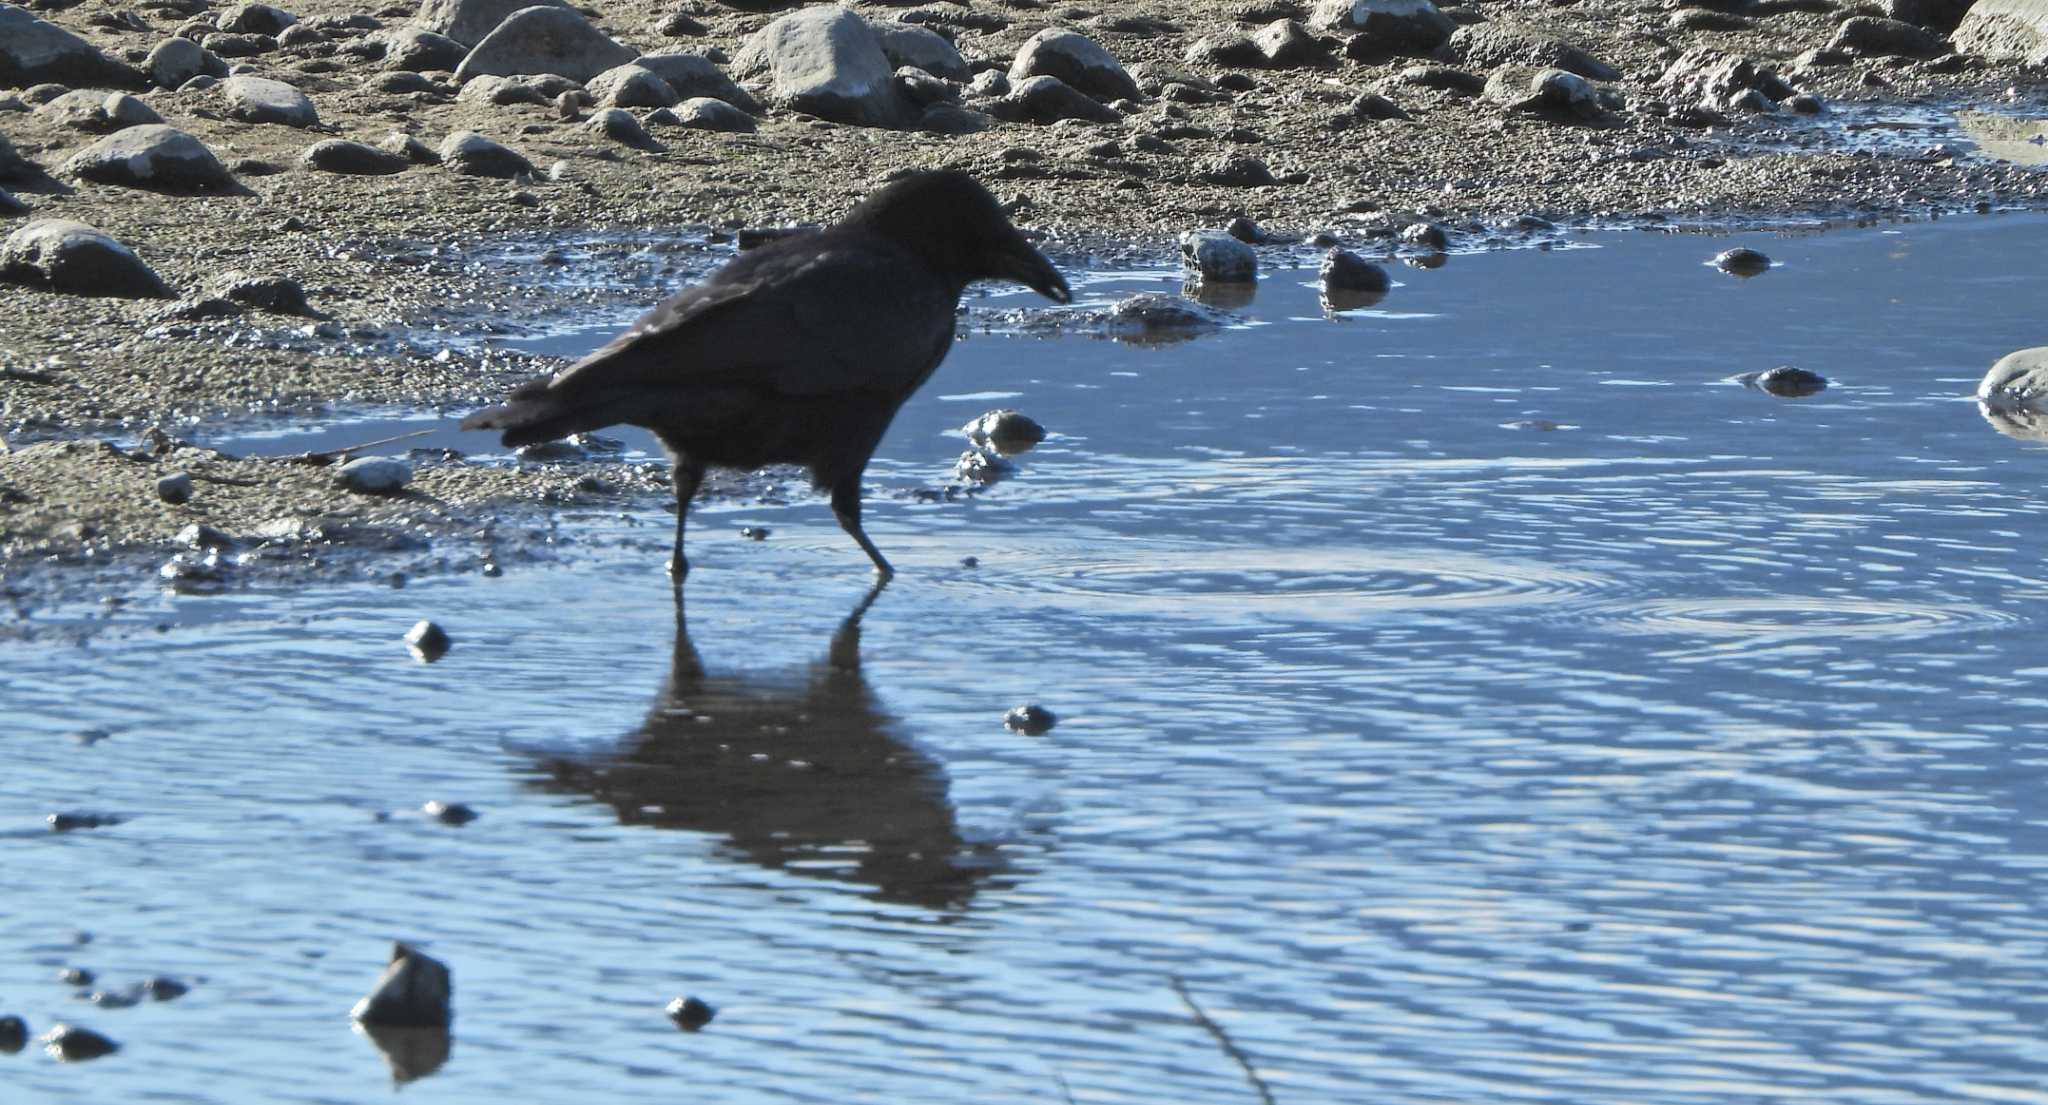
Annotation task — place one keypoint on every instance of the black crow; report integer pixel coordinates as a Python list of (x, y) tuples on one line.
[(799, 352)]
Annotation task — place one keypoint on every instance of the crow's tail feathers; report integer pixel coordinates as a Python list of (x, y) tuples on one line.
[(537, 413)]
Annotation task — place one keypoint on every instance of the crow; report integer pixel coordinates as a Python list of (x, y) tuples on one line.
[(797, 352)]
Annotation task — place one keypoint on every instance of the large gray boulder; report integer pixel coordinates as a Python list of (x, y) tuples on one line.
[(544, 39), (2002, 30), (74, 258), (825, 61), (262, 100), (157, 157), (1077, 60), (693, 75), (468, 21), (34, 52), (921, 48), (1391, 26), (1215, 256), (471, 154), (177, 60)]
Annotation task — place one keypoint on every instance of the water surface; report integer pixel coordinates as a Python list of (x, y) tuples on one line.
[(1475, 698)]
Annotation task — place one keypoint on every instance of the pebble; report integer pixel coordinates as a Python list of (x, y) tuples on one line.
[(75, 976), (1426, 236), (1350, 281), (449, 813), (1031, 720), (175, 489), (73, 1044), (755, 533), (71, 822), (690, 1014), (415, 991), (427, 642), (374, 475), (13, 1034), (1789, 382), (1742, 261), (162, 988)]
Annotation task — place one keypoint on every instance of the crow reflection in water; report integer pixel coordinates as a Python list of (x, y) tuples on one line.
[(803, 772)]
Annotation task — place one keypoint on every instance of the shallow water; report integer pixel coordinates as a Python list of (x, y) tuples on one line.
[(1685, 752)]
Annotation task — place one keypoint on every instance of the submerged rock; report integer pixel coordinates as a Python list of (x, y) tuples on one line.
[(1155, 318), (1350, 281), (76, 259), (1785, 381), (415, 991), (448, 813), (1742, 261), (978, 467), (73, 1044), (690, 1014), (1031, 720), (1006, 431), (13, 1034), (427, 642), (1214, 256)]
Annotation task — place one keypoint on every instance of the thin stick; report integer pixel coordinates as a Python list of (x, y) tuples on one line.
[(1223, 1040), (330, 454)]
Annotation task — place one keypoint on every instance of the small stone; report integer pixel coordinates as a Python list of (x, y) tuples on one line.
[(681, 25), (1350, 281), (705, 113), (420, 50), (412, 149), (261, 100), (471, 154), (1006, 431), (427, 642), (402, 82), (1426, 236), (175, 489), (415, 991), (1372, 105), (238, 45), (13, 1034), (970, 562), (76, 976), (338, 155), (72, 822), (448, 813), (755, 533), (631, 86), (1239, 172), (977, 467), (73, 1044), (374, 475), (277, 294), (1742, 261), (1245, 230), (1047, 99), (201, 536), (619, 125), (258, 19), (1031, 720), (1806, 103), (161, 988), (690, 1014), (298, 35), (1214, 256)]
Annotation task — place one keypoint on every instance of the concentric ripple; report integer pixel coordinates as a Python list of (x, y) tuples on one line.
[(1798, 616)]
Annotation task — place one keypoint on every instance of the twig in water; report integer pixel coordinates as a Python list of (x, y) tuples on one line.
[(329, 456), (1223, 1040)]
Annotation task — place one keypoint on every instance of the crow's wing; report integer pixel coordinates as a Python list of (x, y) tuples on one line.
[(813, 316)]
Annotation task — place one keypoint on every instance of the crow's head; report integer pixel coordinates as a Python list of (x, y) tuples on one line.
[(952, 222)]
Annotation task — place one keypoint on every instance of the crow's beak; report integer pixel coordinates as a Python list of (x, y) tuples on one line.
[(1029, 267)]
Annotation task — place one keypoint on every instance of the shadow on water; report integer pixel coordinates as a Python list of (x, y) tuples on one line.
[(803, 772)]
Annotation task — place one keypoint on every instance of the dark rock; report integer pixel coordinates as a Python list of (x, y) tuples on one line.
[(502, 91), (276, 294), (161, 988), (1005, 431), (1490, 45), (1031, 720), (1049, 99), (71, 822), (420, 50), (13, 166), (76, 976), (1286, 44), (412, 149), (557, 40), (259, 19), (1372, 105), (1385, 26), (1245, 230), (923, 89), (1215, 257), (1787, 382), (261, 100), (706, 113), (73, 1044), (1870, 37), (34, 52), (1239, 172), (1806, 103), (447, 813), (681, 25), (1077, 60), (402, 82), (336, 155), (10, 205), (825, 61), (1228, 51), (1154, 318), (619, 125), (175, 489), (689, 1014), (1558, 93), (1936, 15), (75, 259), (471, 154), (13, 1034), (953, 119), (693, 75), (1742, 261), (238, 46), (469, 21), (415, 991), (1350, 281), (755, 533), (1710, 22)]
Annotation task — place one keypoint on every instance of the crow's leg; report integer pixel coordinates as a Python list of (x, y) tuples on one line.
[(687, 474), (846, 506)]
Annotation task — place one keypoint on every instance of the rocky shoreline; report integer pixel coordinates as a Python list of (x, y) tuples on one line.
[(226, 212)]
